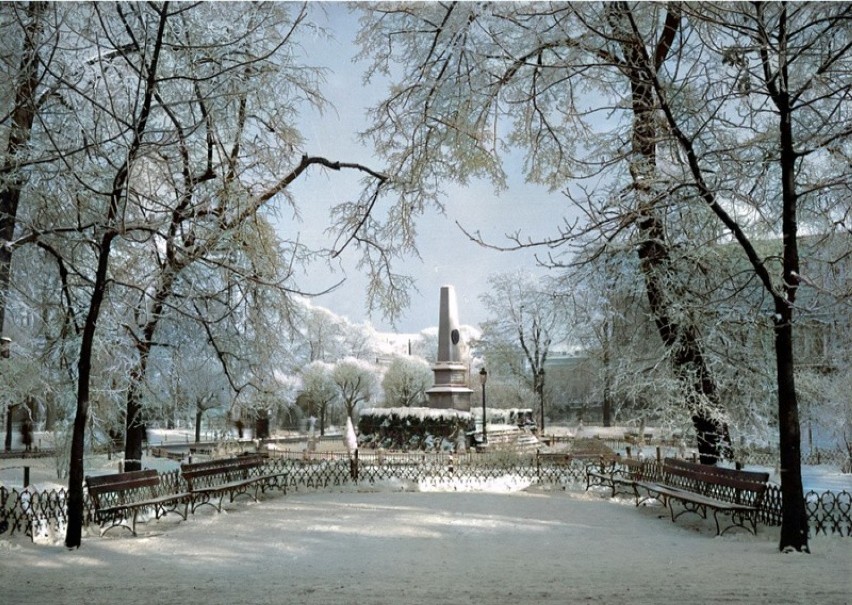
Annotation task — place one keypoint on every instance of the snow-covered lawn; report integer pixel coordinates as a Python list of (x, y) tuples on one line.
[(401, 543), (388, 546)]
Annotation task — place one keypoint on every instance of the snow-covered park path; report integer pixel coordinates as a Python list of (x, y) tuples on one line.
[(398, 547)]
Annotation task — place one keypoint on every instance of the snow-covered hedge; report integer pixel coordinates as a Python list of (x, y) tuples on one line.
[(415, 428)]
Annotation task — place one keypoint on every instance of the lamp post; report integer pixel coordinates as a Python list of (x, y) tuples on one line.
[(5, 353), (483, 377), (541, 398)]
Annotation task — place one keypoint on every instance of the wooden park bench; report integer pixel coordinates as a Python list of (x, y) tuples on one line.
[(617, 472), (210, 481), (698, 487), (555, 458), (554, 466), (118, 498), (159, 452)]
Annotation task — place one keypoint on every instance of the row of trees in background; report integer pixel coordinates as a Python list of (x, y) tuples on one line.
[(604, 364), (350, 384)]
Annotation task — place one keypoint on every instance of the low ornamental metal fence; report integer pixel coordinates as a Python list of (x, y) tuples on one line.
[(745, 455), (28, 511), (814, 457)]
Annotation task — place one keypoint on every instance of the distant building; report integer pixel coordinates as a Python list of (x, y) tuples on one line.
[(734, 314)]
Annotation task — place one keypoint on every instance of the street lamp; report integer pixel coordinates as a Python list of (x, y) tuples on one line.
[(541, 396), (5, 353), (483, 377)]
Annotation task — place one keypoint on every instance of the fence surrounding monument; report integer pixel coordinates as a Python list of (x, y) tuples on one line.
[(26, 510)]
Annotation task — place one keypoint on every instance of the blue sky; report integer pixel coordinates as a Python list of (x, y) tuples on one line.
[(447, 256)]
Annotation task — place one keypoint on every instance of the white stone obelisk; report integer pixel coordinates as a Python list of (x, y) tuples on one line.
[(450, 390)]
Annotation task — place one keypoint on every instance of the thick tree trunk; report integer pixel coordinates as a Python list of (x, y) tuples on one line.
[(134, 430), (607, 386), (134, 421), (684, 346), (680, 338), (134, 418), (199, 412), (5, 353), (74, 532), (794, 518), (22, 116), (7, 444)]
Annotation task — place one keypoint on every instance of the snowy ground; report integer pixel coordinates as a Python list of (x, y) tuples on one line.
[(394, 545), (397, 544)]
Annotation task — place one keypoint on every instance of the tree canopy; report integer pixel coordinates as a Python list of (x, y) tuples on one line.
[(673, 127)]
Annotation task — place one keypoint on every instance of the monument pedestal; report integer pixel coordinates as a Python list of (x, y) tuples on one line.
[(450, 390)]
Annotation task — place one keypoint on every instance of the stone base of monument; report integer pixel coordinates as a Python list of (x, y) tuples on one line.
[(449, 399), (450, 390)]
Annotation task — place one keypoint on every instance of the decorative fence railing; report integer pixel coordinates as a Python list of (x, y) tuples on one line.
[(29, 511), (814, 457), (746, 455)]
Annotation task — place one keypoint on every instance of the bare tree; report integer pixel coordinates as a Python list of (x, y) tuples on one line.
[(406, 380), (184, 379), (319, 389), (604, 299), (525, 320), (563, 83), (317, 334), (787, 68), (356, 383), (178, 151)]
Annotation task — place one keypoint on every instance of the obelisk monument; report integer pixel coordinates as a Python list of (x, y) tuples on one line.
[(450, 390)]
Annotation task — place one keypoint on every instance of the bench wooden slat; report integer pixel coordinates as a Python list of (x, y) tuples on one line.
[(120, 497), (736, 480), (719, 471), (214, 479), (214, 467), (616, 472), (142, 504), (696, 487), (122, 481)]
